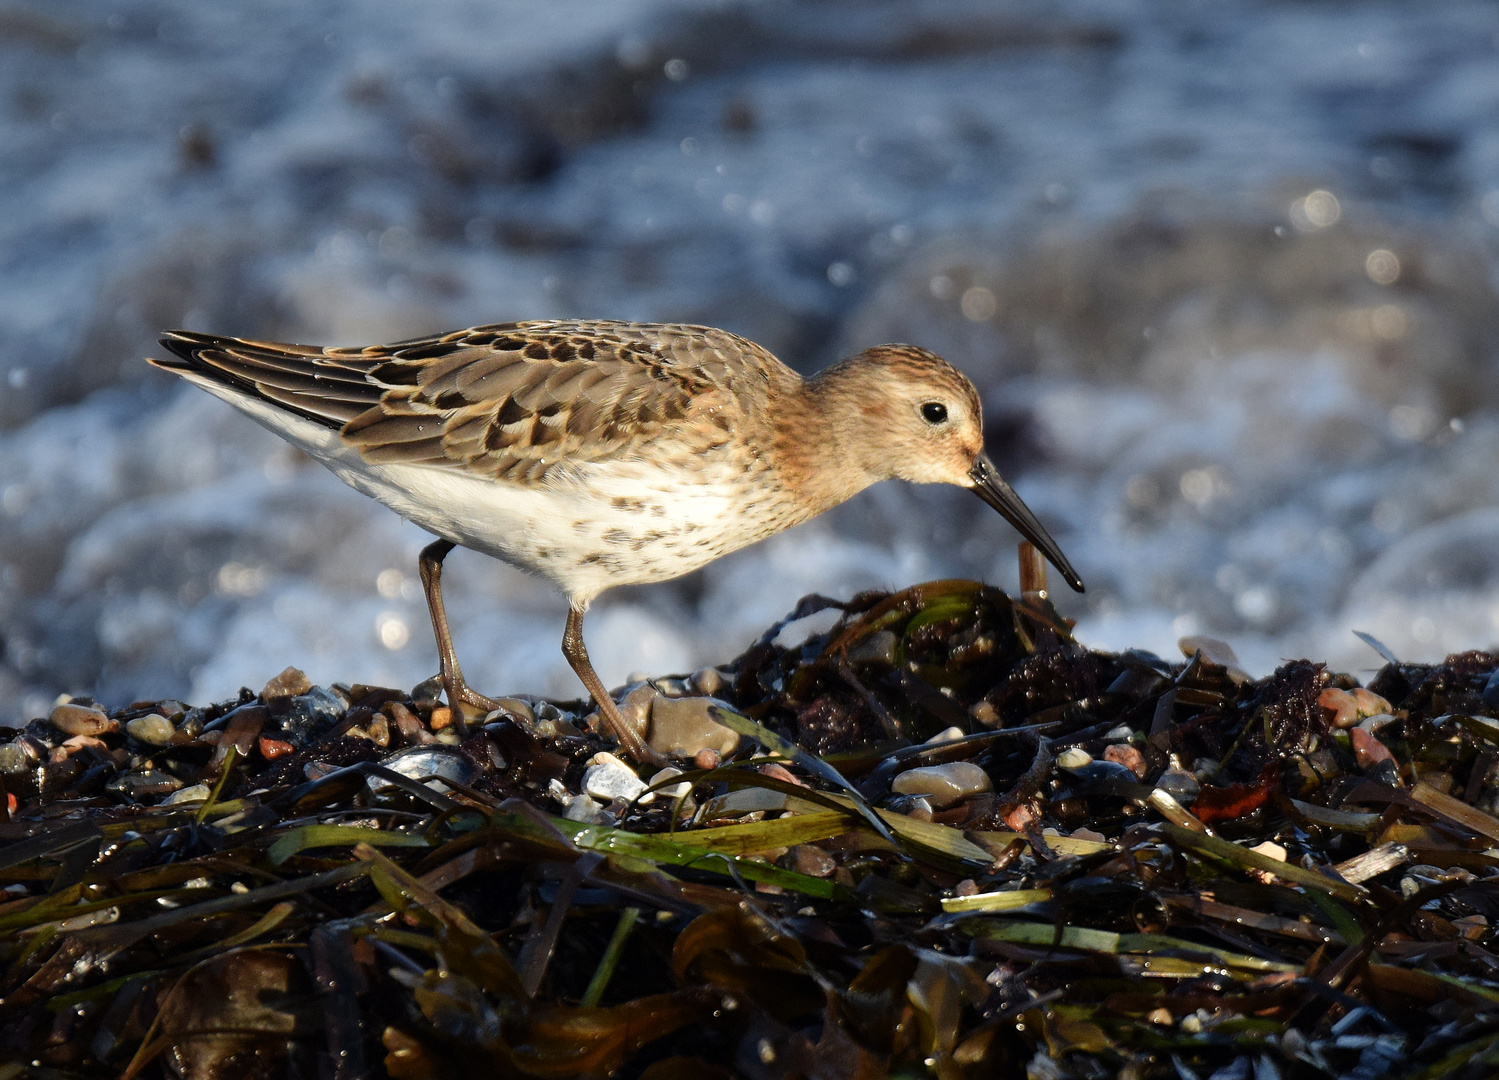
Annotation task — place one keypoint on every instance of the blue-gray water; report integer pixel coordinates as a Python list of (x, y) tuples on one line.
[(1224, 272)]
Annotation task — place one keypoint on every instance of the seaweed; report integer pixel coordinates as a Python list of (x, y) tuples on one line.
[(1117, 866)]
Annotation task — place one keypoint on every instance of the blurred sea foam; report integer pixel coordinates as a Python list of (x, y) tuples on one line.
[(1224, 273)]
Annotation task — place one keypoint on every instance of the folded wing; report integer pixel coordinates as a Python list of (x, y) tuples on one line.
[(512, 401)]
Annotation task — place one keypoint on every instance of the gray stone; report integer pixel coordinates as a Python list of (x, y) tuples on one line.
[(675, 791), (431, 759), (743, 801), (196, 793), (153, 730), (1179, 784), (13, 759), (1216, 652), (682, 726), (635, 707), (609, 778), (943, 785), (585, 810)]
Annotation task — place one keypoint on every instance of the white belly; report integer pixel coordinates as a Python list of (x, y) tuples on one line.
[(604, 525)]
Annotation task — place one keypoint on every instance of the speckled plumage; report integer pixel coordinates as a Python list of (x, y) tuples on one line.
[(604, 453)]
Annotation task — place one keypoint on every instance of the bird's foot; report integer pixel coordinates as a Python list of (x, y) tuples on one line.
[(631, 742), (467, 703)]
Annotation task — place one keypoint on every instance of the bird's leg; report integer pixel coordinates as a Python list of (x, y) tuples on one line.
[(576, 652), (459, 694)]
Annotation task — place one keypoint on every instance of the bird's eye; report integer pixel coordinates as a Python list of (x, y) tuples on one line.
[(934, 412)]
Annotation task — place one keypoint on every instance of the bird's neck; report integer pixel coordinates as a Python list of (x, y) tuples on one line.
[(831, 452)]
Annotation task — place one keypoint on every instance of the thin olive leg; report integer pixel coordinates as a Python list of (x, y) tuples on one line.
[(577, 656), (459, 693)]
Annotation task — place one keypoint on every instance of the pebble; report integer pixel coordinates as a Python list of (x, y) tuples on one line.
[(73, 719), (608, 778), (153, 730), (675, 791), (706, 759), (289, 684), (1020, 818), (74, 743), (984, 713), (271, 749), (943, 785), (808, 859), (682, 726), (945, 736), (13, 759), (707, 681), (1074, 757), (587, 811), (1367, 749), (304, 717), (744, 801), (635, 707), (196, 793), (431, 760), (1128, 756), (1348, 707), (408, 725), (1216, 652), (517, 708), (1179, 784), (441, 717), (919, 808)]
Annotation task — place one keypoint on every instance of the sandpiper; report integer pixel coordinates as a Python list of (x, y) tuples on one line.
[(605, 453)]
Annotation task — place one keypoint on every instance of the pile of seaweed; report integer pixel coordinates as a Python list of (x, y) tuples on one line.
[(941, 838)]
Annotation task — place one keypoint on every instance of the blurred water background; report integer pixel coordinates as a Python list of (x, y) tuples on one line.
[(1224, 272)]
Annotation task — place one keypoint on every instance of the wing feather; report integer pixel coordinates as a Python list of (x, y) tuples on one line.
[(510, 401)]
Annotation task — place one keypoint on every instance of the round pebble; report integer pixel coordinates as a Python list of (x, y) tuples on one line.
[(1074, 757), (1128, 756), (682, 726), (153, 730), (707, 681), (609, 778), (1179, 784), (196, 793), (946, 735), (73, 719), (743, 801), (943, 785), (635, 707)]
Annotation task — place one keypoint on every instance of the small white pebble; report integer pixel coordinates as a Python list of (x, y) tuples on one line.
[(1074, 757), (945, 736)]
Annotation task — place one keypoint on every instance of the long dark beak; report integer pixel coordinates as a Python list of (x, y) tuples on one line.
[(990, 486)]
